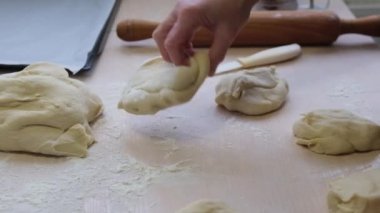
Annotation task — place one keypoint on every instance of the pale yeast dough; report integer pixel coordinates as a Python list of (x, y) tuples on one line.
[(206, 206), (336, 132), (358, 193), (157, 84), (252, 92), (43, 111)]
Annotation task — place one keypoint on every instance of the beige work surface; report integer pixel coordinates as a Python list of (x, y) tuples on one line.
[(160, 163)]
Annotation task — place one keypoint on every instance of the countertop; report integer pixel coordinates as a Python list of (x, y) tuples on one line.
[(160, 163)]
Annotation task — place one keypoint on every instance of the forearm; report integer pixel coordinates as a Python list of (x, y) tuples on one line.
[(249, 3)]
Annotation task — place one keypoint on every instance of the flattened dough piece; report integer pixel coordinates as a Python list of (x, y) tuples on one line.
[(206, 206), (158, 85), (358, 193), (336, 132), (252, 92), (43, 111)]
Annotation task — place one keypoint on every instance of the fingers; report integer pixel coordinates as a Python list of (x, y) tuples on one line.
[(174, 36), (223, 17), (223, 38), (161, 32), (178, 42)]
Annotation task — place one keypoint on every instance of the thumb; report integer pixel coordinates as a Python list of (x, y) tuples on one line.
[(223, 38)]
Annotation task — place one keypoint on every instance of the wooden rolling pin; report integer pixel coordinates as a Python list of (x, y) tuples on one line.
[(269, 28)]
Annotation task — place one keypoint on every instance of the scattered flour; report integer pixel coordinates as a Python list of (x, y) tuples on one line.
[(128, 179), (345, 88), (352, 96), (143, 176), (169, 145)]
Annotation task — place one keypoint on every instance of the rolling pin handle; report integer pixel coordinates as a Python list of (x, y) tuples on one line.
[(369, 25), (135, 30), (272, 28)]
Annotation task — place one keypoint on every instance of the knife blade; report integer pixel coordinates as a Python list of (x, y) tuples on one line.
[(265, 57)]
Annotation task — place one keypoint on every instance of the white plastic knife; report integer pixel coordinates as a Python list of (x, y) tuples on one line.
[(265, 57)]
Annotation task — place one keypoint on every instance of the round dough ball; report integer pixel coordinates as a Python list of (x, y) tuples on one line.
[(336, 132), (158, 84), (42, 110), (359, 193), (206, 206), (252, 92)]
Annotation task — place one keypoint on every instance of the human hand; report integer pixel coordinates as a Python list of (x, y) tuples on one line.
[(224, 18)]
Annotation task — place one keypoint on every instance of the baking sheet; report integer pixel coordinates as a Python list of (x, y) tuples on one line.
[(67, 32)]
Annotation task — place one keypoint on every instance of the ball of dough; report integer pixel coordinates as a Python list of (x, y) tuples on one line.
[(206, 206), (158, 84), (336, 132), (359, 193), (43, 111), (252, 92)]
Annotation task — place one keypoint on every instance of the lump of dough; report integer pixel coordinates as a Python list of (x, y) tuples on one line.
[(43, 111), (358, 193), (206, 206), (336, 132), (252, 92), (158, 84)]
